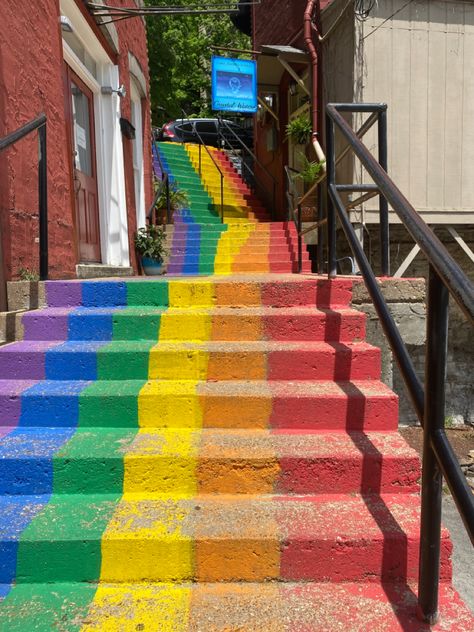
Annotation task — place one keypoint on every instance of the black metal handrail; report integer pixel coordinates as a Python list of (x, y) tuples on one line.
[(317, 187), (294, 214), (165, 182), (445, 277), (202, 144), (39, 124), (246, 148)]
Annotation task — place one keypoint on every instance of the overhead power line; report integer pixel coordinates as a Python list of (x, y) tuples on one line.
[(123, 13)]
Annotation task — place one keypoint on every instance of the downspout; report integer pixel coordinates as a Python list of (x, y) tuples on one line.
[(315, 79)]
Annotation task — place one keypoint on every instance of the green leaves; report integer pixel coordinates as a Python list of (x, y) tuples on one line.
[(150, 240), (178, 197), (300, 130), (311, 170), (180, 60)]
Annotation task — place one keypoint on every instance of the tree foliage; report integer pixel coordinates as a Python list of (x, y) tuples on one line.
[(180, 59)]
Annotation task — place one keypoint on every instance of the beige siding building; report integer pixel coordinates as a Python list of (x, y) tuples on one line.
[(418, 57)]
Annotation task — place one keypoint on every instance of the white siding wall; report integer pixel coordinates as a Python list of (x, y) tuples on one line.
[(421, 62)]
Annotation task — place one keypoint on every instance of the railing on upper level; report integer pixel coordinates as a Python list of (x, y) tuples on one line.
[(39, 124), (163, 182), (202, 144), (295, 204), (224, 130), (445, 278)]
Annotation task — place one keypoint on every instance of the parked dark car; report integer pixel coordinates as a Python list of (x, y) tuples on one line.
[(210, 130)]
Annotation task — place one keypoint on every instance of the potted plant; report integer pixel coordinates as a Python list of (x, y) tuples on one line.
[(178, 197), (310, 171), (150, 245), (300, 130)]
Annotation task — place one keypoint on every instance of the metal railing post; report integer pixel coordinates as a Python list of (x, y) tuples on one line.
[(320, 252), (168, 201), (222, 197), (43, 203), (273, 214), (300, 242), (384, 223), (331, 175), (432, 480)]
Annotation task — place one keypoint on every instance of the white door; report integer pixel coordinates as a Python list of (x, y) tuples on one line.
[(137, 122)]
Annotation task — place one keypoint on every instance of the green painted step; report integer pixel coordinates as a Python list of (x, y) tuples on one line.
[(69, 527)]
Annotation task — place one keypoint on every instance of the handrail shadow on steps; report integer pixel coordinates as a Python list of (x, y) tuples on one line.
[(445, 278), (38, 124), (165, 182), (293, 211), (202, 144), (224, 140)]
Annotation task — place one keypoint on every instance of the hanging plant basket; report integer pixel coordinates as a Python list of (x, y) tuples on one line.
[(300, 130)]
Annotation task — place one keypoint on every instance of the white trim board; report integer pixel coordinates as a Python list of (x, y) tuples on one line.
[(113, 219)]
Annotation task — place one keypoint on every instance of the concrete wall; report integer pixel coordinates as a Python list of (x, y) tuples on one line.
[(407, 302), (31, 81)]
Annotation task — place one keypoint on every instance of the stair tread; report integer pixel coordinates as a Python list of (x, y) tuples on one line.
[(218, 517), (90, 443), (221, 346), (202, 309), (247, 607), (258, 388)]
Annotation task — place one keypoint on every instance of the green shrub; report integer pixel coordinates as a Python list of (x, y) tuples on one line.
[(150, 242), (300, 130)]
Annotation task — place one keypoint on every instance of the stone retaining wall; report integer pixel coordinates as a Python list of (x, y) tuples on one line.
[(406, 300)]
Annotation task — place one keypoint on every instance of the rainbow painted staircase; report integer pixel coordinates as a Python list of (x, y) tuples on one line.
[(205, 455), (246, 242)]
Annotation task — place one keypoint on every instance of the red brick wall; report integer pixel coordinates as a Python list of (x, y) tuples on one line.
[(31, 82), (278, 23)]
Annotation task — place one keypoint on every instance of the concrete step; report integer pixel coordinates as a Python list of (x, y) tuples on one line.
[(257, 236), (256, 291), (229, 360), (209, 461), (190, 238), (224, 323), (100, 270), (258, 248), (215, 538), (363, 406), (220, 607)]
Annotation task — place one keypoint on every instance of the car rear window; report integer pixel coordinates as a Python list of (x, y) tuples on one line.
[(206, 127)]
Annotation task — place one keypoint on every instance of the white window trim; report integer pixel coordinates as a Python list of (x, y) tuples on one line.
[(138, 168), (113, 219)]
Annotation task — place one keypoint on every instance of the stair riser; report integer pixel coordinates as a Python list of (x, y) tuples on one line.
[(243, 259), (124, 326), (285, 292), (199, 475), (267, 230), (257, 249), (278, 365), (192, 239), (114, 407), (175, 559), (274, 267)]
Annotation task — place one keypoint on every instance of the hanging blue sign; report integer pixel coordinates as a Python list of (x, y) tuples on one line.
[(234, 85)]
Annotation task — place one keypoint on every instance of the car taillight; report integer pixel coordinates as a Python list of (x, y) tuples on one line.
[(168, 131)]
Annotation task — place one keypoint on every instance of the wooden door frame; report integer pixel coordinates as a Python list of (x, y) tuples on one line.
[(72, 77), (70, 149)]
